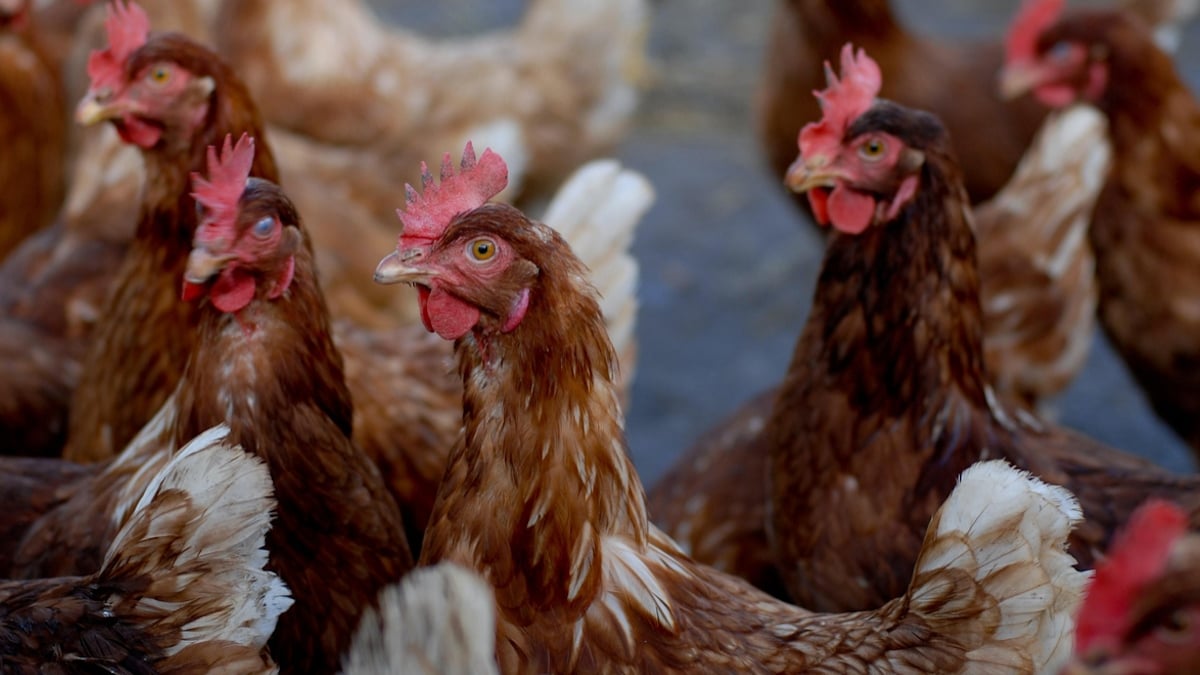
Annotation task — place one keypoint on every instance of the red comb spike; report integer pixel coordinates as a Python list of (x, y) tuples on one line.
[(1137, 556), (220, 192), (426, 215), (128, 27), (1034, 17), (842, 101)]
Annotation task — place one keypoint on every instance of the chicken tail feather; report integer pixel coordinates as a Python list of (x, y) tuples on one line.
[(994, 572), (443, 616), (192, 556)]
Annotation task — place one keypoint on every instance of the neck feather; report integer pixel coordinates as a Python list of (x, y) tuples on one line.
[(544, 456), (896, 321)]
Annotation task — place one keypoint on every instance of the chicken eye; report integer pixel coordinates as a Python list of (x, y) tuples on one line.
[(482, 249), (871, 149), (160, 74), (263, 227), (1176, 627)]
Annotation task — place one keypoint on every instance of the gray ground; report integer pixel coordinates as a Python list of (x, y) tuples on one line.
[(728, 266)]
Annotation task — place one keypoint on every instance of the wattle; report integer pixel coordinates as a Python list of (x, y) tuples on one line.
[(851, 211), (232, 291), (139, 133), (445, 314)]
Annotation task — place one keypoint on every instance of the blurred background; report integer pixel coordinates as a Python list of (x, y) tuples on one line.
[(728, 265)]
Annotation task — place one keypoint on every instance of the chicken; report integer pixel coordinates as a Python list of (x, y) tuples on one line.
[(264, 364), (33, 126), (1139, 616), (886, 399), (440, 620), (1146, 223), (541, 499), (181, 589), (574, 64)]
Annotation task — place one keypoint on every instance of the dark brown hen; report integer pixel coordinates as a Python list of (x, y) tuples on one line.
[(887, 398)]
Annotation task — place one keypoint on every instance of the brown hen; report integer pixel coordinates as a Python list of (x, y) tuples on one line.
[(541, 499), (1146, 226), (887, 399)]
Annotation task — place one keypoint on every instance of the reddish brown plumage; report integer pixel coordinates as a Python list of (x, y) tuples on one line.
[(541, 499), (1146, 226), (33, 129), (145, 332), (887, 400)]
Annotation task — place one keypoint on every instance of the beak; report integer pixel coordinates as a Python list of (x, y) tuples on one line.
[(1019, 78), (203, 265), (807, 173), (96, 107), (395, 268)]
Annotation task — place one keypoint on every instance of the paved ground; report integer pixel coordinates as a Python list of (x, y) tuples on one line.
[(728, 266)]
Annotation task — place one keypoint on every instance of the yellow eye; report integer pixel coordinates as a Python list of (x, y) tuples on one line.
[(160, 74), (482, 249), (871, 148)]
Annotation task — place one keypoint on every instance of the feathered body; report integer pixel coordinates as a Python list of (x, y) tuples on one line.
[(181, 588), (1146, 225)]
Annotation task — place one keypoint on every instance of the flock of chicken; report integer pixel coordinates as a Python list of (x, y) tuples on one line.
[(227, 449)]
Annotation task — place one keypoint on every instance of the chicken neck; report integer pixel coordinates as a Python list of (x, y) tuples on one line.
[(542, 472), (145, 332)]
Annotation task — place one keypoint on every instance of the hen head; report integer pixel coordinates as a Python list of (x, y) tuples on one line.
[(151, 90), (467, 258), (1141, 615), (248, 235), (1061, 58), (859, 164)]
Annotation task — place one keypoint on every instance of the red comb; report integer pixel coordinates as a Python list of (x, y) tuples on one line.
[(425, 215), (219, 194), (842, 101), (1137, 556), (128, 27), (1034, 17)]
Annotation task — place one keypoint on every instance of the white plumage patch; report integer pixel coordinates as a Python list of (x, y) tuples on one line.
[(220, 537), (1008, 531)]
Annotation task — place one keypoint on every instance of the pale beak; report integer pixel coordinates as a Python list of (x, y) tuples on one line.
[(91, 110), (1019, 78), (395, 268), (203, 265), (804, 175)]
